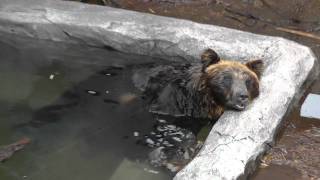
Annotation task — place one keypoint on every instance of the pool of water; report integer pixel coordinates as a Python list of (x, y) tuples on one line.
[(75, 104)]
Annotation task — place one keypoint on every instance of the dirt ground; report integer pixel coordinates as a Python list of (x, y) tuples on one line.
[(296, 154)]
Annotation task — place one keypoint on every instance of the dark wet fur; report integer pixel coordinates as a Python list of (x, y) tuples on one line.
[(200, 90), (176, 90)]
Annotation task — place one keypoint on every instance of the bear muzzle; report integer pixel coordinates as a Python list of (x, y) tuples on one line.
[(239, 101)]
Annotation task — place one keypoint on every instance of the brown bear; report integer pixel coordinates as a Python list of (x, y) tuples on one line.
[(201, 90)]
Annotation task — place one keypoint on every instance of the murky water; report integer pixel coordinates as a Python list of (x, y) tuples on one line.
[(75, 104)]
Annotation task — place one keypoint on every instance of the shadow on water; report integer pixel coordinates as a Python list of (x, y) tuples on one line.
[(81, 110)]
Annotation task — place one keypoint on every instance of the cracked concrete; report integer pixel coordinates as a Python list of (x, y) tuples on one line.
[(238, 138)]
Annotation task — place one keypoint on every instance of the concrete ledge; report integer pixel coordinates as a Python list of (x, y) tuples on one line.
[(237, 138)]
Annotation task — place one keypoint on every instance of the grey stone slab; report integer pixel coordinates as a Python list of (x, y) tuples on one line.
[(238, 138)]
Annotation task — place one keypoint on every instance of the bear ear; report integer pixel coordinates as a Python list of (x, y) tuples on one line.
[(256, 66), (209, 57)]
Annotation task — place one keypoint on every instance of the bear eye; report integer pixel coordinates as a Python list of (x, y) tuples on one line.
[(253, 87), (227, 80), (248, 83), (221, 83)]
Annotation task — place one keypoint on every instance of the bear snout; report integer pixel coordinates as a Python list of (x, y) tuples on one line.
[(239, 100), (243, 97), (242, 101)]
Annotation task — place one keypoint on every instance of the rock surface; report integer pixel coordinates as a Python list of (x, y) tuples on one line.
[(237, 139)]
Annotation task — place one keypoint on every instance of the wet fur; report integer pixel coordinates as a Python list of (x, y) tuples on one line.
[(186, 89), (181, 91)]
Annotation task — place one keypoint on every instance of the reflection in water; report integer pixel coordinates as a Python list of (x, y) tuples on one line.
[(173, 147)]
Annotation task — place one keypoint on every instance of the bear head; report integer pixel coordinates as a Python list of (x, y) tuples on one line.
[(231, 84)]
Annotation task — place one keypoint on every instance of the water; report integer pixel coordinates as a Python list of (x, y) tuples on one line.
[(76, 105)]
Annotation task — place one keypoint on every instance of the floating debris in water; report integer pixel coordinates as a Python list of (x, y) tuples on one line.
[(51, 76), (92, 92), (110, 71), (310, 107), (136, 134), (151, 171), (7, 151)]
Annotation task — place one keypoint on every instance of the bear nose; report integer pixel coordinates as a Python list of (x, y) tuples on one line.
[(243, 97)]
